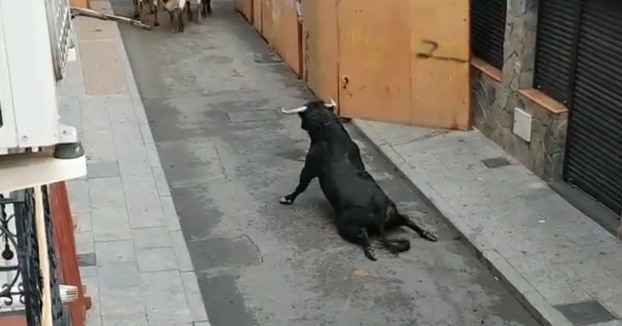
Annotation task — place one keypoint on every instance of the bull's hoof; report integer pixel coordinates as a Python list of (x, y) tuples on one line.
[(371, 253), (156, 24), (429, 235), (285, 201), (136, 16)]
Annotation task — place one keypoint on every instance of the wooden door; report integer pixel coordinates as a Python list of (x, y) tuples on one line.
[(287, 33), (320, 47), (247, 10), (238, 5), (405, 62), (269, 14), (257, 15)]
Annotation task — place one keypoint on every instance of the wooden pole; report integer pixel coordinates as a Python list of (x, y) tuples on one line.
[(102, 16), (66, 253), (44, 261)]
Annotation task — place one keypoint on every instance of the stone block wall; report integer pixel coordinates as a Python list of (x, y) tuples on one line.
[(495, 94)]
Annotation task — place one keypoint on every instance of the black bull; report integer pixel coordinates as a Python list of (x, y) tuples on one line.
[(363, 208)]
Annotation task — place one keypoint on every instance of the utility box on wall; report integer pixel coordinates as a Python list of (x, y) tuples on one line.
[(35, 148), (34, 50)]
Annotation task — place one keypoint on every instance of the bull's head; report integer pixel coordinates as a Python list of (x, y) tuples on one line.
[(331, 105), (315, 115)]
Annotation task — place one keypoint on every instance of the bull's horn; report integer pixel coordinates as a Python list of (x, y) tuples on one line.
[(331, 104), (293, 111)]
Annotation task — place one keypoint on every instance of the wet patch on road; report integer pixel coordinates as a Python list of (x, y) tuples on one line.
[(228, 307), (220, 253)]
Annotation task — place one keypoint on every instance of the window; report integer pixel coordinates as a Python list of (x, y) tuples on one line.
[(488, 30), (556, 39)]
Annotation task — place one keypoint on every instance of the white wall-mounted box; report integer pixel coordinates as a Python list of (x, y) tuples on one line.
[(522, 124), (35, 45)]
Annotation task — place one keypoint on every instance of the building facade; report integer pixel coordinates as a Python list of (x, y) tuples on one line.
[(547, 87)]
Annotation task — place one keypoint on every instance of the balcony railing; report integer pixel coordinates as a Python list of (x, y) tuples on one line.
[(21, 279)]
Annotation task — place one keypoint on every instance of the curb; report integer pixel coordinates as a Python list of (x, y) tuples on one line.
[(519, 288)]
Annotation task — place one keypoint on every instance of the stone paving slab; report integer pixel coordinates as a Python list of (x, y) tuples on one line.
[(546, 251), (128, 231)]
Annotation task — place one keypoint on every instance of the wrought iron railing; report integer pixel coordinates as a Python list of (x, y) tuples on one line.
[(20, 270), (11, 292)]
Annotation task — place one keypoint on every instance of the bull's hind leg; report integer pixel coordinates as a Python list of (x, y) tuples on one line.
[(357, 235), (426, 234), (137, 13), (181, 26), (155, 8), (306, 175), (395, 246)]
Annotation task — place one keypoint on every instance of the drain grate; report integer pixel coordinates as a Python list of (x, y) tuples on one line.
[(85, 260), (495, 162), (585, 313)]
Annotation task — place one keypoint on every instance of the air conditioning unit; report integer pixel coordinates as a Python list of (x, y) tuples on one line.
[(36, 42)]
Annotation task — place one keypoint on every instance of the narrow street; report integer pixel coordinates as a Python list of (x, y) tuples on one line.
[(211, 96)]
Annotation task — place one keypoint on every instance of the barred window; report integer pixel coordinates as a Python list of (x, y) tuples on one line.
[(488, 30)]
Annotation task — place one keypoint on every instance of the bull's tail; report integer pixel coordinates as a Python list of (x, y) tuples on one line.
[(400, 245)]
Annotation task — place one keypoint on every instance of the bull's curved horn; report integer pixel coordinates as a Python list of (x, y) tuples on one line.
[(293, 111), (331, 104)]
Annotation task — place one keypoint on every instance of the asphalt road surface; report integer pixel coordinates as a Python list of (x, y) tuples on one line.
[(211, 96)]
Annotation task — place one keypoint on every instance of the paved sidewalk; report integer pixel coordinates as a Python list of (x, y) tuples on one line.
[(548, 252), (134, 259)]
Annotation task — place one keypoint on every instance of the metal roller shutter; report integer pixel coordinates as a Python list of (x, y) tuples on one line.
[(555, 44), (594, 150), (488, 30)]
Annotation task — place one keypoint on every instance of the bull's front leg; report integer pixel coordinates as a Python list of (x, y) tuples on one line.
[(306, 176), (424, 233), (155, 8)]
